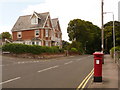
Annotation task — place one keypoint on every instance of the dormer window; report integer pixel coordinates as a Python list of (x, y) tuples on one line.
[(34, 20), (19, 34)]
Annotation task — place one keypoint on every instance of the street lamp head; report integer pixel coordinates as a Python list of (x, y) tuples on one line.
[(107, 12)]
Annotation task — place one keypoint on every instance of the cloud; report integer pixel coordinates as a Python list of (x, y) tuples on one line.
[(5, 29), (67, 10), (20, 1)]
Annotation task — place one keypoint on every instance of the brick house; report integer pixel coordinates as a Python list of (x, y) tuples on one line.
[(37, 29)]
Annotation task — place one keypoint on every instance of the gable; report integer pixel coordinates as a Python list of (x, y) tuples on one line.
[(48, 22), (58, 26), (35, 15), (55, 23)]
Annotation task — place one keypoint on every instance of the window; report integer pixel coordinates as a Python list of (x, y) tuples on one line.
[(19, 34), (33, 43), (46, 43), (37, 33), (58, 35), (37, 43), (34, 20), (46, 33), (29, 43), (47, 24)]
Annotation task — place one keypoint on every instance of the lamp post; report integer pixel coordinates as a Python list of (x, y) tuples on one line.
[(113, 32)]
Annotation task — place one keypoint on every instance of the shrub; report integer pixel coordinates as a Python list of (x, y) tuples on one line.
[(61, 50), (74, 50), (117, 48), (77, 47), (34, 49)]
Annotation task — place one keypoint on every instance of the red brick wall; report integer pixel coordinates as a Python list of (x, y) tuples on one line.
[(26, 35), (29, 34), (14, 34)]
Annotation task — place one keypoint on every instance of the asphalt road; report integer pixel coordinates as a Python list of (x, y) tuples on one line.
[(63, 72)]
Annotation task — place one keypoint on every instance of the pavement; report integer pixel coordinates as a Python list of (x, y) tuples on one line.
[(109, 76)]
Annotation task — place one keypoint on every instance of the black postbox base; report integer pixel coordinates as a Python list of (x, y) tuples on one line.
[(97, 79)]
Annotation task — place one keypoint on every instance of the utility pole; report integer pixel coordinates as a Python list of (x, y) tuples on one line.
[(102, 30), (102, 27), (114, 37)]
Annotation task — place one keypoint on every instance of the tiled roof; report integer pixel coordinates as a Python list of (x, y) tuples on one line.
[(24, 22)]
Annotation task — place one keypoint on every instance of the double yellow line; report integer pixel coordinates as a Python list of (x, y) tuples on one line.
[(84, 82)]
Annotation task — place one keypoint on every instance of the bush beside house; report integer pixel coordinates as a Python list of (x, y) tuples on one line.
[(33, 49)]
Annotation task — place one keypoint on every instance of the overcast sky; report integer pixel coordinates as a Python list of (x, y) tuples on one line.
[(65, 10)]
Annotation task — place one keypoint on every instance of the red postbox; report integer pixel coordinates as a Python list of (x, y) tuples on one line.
[(98, 56)]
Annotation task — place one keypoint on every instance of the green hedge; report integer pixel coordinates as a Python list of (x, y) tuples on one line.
[(34, 49), (117, 48), (74, 50)]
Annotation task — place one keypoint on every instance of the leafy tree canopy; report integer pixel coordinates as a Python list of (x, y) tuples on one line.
[(0, 36), (6, 35), (108, 29), (65, 45), (84, 31)]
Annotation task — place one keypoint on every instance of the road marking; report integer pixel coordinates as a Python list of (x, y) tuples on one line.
[(90, 56), (83, 58), (72, 56), (68, 62), (84, 82), (48, 68), (87, 80), (18, 62), (27, 62), (78, 59), (10, 80)]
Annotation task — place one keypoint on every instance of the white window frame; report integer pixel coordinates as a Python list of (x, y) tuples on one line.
[(46, 33), (33, 42), (19, 33), (36, 33), (37, 42), (46, 43), (34, 20), (40, 43), (58, 35), (29, 43), (48, 24)]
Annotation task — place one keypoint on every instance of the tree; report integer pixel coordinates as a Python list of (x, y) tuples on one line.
[(108, 29), (77, 30), (0, 36), (83, 31), (6, 35), (76, 45), (65, 45)]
